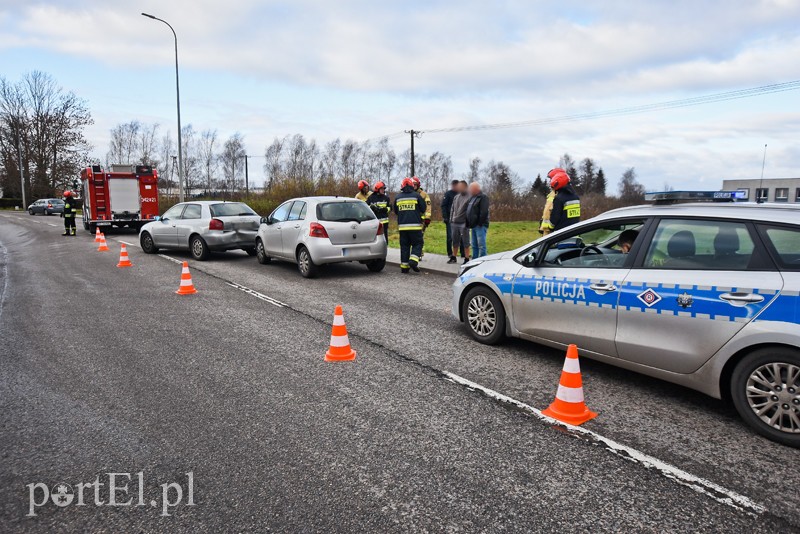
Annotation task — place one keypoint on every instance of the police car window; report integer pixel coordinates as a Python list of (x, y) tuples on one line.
[(174, 212), (786, 243), (707, 245), (297, 212), (280, 214), (604, 246), (193, 211)]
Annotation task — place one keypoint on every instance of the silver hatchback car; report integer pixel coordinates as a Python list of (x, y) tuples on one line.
[(202, 227), (314, 231), (703, 295)]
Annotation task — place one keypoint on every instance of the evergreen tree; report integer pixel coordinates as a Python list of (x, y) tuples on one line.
[(600, 182)]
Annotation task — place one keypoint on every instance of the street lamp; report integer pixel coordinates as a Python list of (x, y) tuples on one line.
[(178, 94)]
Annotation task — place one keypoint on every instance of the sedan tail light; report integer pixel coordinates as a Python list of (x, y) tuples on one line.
[(216, 224), (49, 205), (380, 230), (317, 230)]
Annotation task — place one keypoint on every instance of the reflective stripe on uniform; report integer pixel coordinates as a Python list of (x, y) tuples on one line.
[(414, 258), (573, 208), (413, 226)]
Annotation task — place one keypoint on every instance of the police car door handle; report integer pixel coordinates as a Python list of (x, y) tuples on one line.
[(602, 288), (741, 299)]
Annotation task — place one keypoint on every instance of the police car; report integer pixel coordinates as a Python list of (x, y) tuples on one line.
[(702, 294)]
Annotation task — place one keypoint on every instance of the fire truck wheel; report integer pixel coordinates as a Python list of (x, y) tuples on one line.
[(198, 248), (148, 246)]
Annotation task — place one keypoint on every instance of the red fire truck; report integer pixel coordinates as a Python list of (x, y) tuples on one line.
[(125, 196)]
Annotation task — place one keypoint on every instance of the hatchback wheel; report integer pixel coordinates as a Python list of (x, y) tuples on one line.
[(31, 212), (198, 248), (376, 266), (261, 253), (147, 243), (305, 264), (765, 388), (484, 316)]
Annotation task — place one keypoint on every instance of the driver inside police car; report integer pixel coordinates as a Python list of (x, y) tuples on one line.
[(626, 239)]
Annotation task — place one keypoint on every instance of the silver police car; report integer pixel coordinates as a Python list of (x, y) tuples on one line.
[(705, 295), (314, 231), (202, 227)]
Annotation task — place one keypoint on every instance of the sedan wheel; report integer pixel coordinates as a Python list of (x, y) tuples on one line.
[(261, 253), (31, 212), (765, 387), (484, 315), (199, 249), (305, 264), (147, 243)]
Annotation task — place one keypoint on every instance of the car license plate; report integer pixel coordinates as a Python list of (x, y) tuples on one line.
[(104, 224)]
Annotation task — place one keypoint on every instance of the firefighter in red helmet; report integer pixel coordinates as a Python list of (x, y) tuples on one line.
[(380, 203), (363, 190), (567, 203), (545, 225), (410, 210), (69, 213)]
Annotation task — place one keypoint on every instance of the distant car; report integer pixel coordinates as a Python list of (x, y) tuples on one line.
[(707, 298), (202, 227), (315, 231), (47, 206)]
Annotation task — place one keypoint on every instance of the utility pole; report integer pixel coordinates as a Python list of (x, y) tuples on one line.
[(21, 172), (761, 184), (246, 178), (414, 134)]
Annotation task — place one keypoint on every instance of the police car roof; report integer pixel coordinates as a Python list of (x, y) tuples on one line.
[(771, 212)]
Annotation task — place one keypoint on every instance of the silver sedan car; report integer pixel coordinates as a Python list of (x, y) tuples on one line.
[(702, 295), (314, 231), (202, 227)]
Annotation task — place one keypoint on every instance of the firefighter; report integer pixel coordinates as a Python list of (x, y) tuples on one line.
[(545, 225), (363, 190), (426, 219), (566, 205), (69, 213), (380, 203), (410, 210)]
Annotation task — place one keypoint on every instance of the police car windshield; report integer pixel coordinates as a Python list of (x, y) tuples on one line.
[(344, 212), (231, 209)]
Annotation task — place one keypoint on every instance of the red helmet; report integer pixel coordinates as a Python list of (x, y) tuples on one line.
[(67, 193), (378, 186), (555, 171), (559, 180), (416, 182), (407, 182), (362, 184)]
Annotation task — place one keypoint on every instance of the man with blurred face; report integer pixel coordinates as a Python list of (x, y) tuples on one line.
[(478, 219)]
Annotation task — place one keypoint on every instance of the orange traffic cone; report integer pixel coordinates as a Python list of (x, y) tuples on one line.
[(339, 350), (186, 287), (97, 235), (124, 261), (569, 406), (103, 246)]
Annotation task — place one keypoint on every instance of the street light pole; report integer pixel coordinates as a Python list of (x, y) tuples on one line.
[(178, 95), (21, 172)]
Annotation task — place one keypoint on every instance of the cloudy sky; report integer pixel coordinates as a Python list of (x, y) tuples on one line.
[(364, 69)]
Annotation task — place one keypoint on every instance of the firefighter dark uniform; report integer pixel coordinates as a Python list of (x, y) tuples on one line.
[(380, 203), (566, 207), (69, 213), (410, 210)]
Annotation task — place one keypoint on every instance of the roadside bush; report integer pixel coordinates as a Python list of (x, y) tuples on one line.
[(11, 202)]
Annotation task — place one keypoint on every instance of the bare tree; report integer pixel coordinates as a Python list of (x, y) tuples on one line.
[(630, 190), (272, 164), (231, 160), (206, 148)]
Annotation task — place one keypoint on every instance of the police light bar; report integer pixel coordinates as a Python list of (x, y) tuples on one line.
[(674, 197)]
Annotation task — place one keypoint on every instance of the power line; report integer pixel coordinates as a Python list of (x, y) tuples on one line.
[(631, 110)]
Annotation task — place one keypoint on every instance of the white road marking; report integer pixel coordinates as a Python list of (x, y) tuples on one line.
[(129, 244), (258, 295), (51, 224), (180, 262), (698, 484)]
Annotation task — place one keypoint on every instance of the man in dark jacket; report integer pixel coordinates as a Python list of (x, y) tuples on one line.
[(410, 211), (566, 205), (447, 204), (69, 213), (478, 219)]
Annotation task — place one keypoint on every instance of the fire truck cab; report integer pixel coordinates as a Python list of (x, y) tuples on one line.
[(125, 196)]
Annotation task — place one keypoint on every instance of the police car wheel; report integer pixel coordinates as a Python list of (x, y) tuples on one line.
[(261, 253), (765, 389), (305, 264), (147, 244), (198, 248), (484, 316)]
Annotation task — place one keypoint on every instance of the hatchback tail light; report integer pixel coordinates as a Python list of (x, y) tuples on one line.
[(317, 230), (49, 205), (216, 224)]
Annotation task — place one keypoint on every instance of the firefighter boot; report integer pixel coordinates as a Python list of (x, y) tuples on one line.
[(404, 268), (414, 265), (72, 232)]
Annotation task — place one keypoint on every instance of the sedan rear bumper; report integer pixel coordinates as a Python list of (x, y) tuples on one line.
[(230, 239)]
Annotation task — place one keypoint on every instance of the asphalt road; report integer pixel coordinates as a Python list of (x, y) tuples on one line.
[(107, 370)]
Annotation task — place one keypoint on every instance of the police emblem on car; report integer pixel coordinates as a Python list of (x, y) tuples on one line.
[(685, 300), (649, 297)]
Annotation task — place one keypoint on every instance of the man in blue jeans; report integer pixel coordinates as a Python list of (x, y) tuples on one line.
[(478, 219)]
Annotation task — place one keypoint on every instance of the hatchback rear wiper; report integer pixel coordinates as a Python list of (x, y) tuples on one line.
[(348, 219)]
